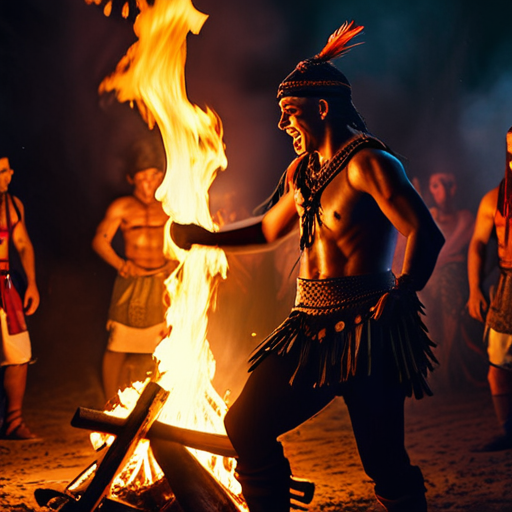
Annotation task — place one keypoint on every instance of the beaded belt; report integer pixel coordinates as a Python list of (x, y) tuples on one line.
[(324, 296)]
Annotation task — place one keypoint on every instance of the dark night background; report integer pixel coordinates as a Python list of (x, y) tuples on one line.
[(433, 79)]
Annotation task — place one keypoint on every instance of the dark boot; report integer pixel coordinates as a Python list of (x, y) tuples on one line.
[(266, 489), (405, 493)]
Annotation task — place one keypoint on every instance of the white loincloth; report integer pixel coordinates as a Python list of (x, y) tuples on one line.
[(14, 348), (134, 340), (499, 348)]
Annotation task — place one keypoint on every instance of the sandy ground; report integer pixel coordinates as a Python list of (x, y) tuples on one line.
[(441, 433)]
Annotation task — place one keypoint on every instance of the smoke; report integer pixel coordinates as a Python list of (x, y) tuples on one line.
[(485, 118)]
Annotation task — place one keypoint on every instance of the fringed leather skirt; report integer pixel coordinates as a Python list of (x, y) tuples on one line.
[(333, 325)]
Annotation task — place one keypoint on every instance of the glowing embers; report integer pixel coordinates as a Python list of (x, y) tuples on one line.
[(131, 486)]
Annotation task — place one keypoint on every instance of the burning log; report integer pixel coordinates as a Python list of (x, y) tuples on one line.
[(135, 427), (195, 489), (137, 424), (101, 422), (166, 438)]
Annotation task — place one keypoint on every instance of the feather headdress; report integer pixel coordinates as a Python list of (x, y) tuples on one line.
[(337, 43), (317, 74)]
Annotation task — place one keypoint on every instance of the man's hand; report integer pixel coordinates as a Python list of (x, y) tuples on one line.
[(129, 269), (402, 296), (477, 305), (185, 235), (31, 300)]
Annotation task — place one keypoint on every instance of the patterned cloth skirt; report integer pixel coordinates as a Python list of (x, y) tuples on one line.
[(499, 317)]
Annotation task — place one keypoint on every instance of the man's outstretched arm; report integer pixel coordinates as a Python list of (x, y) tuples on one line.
[(186, 235), (275, 224)]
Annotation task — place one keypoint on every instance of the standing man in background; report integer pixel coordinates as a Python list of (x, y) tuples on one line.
[(495, 214), (136, 316), (446, 293), (15, 348)]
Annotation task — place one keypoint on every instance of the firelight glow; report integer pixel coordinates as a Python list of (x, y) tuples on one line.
[(152, 76)]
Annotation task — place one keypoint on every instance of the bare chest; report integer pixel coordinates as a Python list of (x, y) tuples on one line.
[(139, 216), (342, 209), (351, 234)]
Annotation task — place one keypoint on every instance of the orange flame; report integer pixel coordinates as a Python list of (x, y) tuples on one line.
[(152, 76)]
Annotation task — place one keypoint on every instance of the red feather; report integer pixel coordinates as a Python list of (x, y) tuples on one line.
[(337, 44)]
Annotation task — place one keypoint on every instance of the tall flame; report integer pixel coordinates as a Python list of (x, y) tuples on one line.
[(152, 76)]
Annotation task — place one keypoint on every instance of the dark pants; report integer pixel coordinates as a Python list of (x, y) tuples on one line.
[(269, 406)]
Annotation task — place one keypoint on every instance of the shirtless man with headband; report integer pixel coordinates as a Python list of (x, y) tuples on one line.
[(495, 217), (355, 331), (136, 315)]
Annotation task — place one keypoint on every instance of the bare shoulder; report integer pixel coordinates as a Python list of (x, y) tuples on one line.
[(375, 167), (120, 206), (19, 206), (17, 201), (375, 160), (489, 203)]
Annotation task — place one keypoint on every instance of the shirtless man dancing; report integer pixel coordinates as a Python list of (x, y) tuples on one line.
[(354, 331), (136, 315)]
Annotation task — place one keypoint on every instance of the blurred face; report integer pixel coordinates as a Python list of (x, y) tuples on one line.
[(442, 188), (147, 181), (302, 120), (5, 174)]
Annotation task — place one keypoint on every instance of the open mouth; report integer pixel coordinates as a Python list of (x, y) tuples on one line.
[(297, 139)]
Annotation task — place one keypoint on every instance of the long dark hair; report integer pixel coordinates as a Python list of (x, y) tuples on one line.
[(505, 191)]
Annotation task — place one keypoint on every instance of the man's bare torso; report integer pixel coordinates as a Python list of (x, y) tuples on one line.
[(355, 237), (4, 227), (142, 226)]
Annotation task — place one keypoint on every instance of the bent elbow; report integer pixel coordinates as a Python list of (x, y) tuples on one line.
[(268, 236), (268, 233), (95, 244)]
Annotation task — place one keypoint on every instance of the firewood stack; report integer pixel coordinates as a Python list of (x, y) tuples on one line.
[(187, 486)]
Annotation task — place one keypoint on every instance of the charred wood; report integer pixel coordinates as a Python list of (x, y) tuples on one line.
[(195, 489), (100, 422)]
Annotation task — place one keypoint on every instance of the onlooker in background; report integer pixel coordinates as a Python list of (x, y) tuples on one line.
[(495, 214), (136, 316), (446, 293), (15, 348)]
